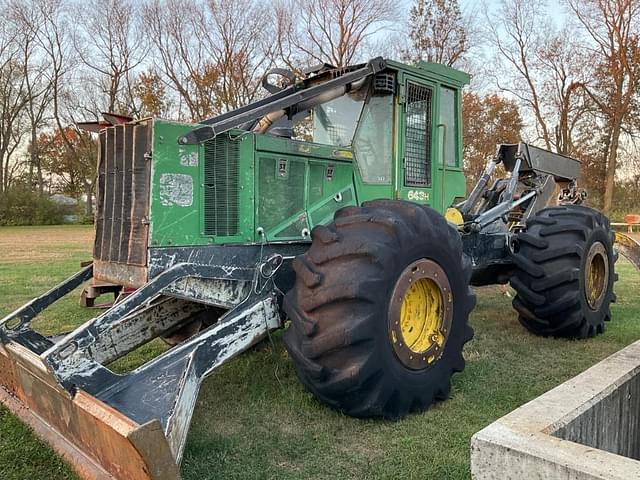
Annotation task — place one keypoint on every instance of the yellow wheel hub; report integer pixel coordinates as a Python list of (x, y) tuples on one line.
[(596, 275), (421, 316)]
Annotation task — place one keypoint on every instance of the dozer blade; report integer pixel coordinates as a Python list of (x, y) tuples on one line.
[(97, 440), (628, 247), (123, 426)]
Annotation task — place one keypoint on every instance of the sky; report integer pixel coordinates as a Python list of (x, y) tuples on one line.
[(555, 8)]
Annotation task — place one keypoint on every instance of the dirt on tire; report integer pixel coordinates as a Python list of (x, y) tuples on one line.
[(339, 338), (550, 278)]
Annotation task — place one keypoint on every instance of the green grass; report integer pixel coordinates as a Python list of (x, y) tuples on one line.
[(254, 420), (22, 455)]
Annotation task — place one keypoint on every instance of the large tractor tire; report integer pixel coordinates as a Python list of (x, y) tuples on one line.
[(379, 311), (565, 272)]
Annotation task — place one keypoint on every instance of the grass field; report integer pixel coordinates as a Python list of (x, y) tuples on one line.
[(254, 420)]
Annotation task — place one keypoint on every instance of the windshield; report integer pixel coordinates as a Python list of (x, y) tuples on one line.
[(334, 123)]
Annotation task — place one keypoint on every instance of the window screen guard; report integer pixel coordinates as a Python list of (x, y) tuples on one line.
[(418, 122)]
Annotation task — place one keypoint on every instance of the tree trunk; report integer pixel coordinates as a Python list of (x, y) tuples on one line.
[(6, 174), (611, 169), (88, 191), (35, 160), (89, 205), (30, 177)]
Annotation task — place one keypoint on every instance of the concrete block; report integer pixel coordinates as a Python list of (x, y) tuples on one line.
[(587, 428)]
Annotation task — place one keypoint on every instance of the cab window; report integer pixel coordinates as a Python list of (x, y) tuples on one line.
[(373, 142), (334, 122), (450, 131)]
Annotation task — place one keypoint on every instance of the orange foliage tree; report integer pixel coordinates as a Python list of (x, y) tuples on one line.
[(72, 170), (487, 121)]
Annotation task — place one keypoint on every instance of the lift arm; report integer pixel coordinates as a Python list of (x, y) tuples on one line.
[(308, 93)]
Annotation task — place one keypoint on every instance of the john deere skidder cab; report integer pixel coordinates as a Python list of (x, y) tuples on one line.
[(320, 209)]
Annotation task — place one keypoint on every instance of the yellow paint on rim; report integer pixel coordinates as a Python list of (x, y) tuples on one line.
[(596, 280), (422, 315)]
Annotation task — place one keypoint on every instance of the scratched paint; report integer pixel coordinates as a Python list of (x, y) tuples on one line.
[(251, 324), (176, 189), (165, 388), (188, 159), (222, 293), (145, 324)]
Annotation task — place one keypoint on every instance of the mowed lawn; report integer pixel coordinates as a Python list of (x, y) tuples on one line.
[(253, 418)]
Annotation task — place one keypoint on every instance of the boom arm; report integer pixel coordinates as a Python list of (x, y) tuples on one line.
[(299, 97)]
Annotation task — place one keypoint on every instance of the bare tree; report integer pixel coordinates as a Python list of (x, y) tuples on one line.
[(438, 32), (13, 95), (68, 105), (614, 28), (176, 51), (242, 45), (111, 43), (29, 17), (564, 104), (541, 68), (516, 37), (211, 55), (328, 31)]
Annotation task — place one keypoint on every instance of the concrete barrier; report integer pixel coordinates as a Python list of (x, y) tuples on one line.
[(586, 428)]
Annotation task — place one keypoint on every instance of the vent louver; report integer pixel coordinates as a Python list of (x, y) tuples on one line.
[(221, 201)]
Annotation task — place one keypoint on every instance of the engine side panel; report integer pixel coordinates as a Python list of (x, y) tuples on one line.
[(243, 188)]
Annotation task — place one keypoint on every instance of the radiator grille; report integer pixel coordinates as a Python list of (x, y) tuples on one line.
[(221, 201), (122, 198), (417, 155)]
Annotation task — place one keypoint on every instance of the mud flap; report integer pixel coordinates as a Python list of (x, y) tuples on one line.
[(629, 248), (122, 426)]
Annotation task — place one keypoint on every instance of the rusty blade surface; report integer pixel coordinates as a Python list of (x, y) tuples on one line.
[(116, 118), (628, 247), (93, 127), (98, 441)]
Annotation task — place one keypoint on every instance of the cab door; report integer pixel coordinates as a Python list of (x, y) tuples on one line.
[(416, 166), (449, 182)]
